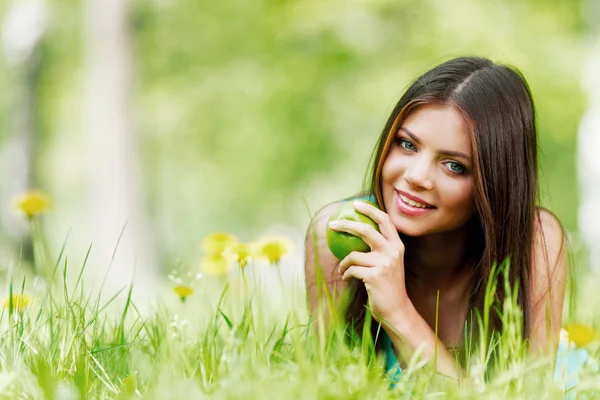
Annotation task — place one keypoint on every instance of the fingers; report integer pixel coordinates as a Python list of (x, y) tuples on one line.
[(387, 228), (365, 231), (356, 258), (357, 272)]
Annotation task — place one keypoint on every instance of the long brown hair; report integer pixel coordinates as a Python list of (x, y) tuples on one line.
[(496, 102)]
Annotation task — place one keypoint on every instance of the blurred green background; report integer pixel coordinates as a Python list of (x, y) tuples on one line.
[(253, 114)]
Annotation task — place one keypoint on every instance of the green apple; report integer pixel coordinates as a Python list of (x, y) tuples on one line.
[(342, 243)]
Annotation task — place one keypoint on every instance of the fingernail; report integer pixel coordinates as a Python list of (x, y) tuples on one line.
[(358, 204), (334, 224)]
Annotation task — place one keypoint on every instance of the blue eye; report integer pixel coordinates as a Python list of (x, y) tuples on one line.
[(455, 167), (405, 144)]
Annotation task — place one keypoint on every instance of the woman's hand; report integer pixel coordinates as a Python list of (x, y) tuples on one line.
[(381, 269)]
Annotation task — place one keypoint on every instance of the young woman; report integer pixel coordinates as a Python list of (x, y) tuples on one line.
[(454, 174)]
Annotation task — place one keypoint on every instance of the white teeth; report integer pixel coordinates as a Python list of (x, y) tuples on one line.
[(412, 202)]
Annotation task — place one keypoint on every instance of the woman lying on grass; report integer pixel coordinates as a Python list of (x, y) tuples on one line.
[(454, 174)]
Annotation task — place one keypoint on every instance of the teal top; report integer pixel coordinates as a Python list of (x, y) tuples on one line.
[(391, 362)]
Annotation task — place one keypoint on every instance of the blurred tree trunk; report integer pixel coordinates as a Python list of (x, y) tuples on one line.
[(588, 145), (588, 140), (116, 185), (23, 29)]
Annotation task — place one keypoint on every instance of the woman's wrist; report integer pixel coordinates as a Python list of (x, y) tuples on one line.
[(409, 333), (401, 321)]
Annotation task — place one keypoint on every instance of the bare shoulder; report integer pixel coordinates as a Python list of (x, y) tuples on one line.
[(320, 265), (549, 239), (549, 255), (548, 280)]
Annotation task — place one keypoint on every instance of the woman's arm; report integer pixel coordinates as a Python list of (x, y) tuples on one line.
[(548, 282), (410, 333), (382, 272)]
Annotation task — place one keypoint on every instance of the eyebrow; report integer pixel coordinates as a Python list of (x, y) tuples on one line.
[(446, 152)]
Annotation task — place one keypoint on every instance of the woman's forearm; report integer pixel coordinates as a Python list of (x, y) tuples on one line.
[(410, 333)]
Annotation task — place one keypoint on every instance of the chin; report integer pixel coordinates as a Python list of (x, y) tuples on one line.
[(409, 228), (412, 233)]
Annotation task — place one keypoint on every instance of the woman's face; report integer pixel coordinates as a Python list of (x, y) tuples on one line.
[(426, 178)]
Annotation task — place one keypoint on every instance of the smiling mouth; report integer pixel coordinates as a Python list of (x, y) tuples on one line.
[(413, 203)]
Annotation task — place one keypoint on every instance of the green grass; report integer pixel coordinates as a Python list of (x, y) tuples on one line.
[(227, 341)]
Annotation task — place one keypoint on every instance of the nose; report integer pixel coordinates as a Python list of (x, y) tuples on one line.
[(419, 175)]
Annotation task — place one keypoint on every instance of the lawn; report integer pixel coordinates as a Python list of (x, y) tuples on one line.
[(242, 330)]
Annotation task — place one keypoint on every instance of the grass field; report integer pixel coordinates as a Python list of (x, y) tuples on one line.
[(237, 335)]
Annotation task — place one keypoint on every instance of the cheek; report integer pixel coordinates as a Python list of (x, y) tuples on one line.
[(389, 177), (393, 167), (460, 196), (386, 169)]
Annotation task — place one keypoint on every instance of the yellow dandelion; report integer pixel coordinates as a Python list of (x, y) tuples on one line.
[(33, 203), (129, 385), (242, 253), (274, 249), (216, 243), (215, 265), (580, 334), (183, 292), (19, 302)]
